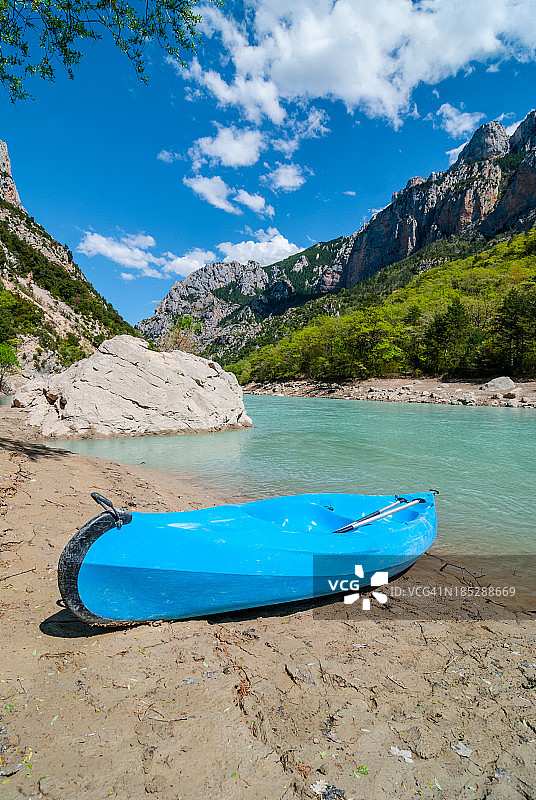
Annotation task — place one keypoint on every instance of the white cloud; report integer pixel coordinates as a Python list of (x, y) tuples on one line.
[(350, 193), (189, 262), (286, 146), (458, 123), (368, 55), (287, 177), (510, 129), (214, 190), (266, 247), (256, 96), (231, 147), (167, 156), (269, 246), (128, 251), (455, 152), (255, 202), (132, 250), (138, 240)]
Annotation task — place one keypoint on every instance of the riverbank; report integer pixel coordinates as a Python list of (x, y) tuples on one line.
[(404, 390), (254, 706)]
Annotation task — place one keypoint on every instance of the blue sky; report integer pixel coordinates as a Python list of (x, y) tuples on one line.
[(288, 128)]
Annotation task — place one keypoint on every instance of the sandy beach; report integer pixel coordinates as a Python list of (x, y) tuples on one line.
[(261, 704)]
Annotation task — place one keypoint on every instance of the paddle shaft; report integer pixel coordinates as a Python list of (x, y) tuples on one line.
[(379, 515)]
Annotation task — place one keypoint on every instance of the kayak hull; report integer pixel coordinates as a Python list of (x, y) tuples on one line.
[(191, 564)]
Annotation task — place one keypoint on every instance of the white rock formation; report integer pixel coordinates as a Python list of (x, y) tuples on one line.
[(126, 389), (500, 383)]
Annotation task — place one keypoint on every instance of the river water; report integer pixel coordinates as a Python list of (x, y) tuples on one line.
[(483, 460)]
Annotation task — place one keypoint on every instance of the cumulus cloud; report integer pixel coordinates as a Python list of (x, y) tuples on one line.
[(256, 97), (368, 55), (265, 246), (214, 190), (189, 262), (231, 147), (133, 251), (350, 193), (285, 177), (255, 202), (128, 251), (458, 123)]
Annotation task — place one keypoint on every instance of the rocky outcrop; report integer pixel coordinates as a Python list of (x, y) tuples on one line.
[(518, 201), (524, 137), (126, 389), (8, 190), (488, 141), (424, 212), (209, 294)]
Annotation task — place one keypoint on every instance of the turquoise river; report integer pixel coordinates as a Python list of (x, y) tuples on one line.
[(483, 460)]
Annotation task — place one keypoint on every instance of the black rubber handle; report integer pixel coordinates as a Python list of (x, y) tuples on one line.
[(107, 505)]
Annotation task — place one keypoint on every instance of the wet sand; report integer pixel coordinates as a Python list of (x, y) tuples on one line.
[(260, 704)]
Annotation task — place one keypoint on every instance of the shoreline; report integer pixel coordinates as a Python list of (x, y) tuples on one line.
[(256, 705), (403, 390)]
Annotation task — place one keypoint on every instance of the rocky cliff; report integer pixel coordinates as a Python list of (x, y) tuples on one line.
[(8, 190), (490, 188), (49, 313)]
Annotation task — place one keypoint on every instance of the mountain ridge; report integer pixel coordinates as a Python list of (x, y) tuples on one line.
[(490, 188)]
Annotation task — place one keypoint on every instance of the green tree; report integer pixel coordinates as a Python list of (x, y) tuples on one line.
[(38, 35), (8, 363), (182, 336), (515, 331), (450, 341)]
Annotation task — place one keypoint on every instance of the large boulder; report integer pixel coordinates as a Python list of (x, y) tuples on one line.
[(500, 383), (126, 389)]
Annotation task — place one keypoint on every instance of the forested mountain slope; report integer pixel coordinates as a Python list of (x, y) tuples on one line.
[(465, 317)]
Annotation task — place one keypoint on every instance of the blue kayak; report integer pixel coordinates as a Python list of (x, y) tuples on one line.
[(125, 568)]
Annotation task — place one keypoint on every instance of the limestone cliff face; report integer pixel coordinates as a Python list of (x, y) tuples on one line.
[(488, 141), (8, 190), (491, 187), (481, 190), (444, 204), (524, 137)]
